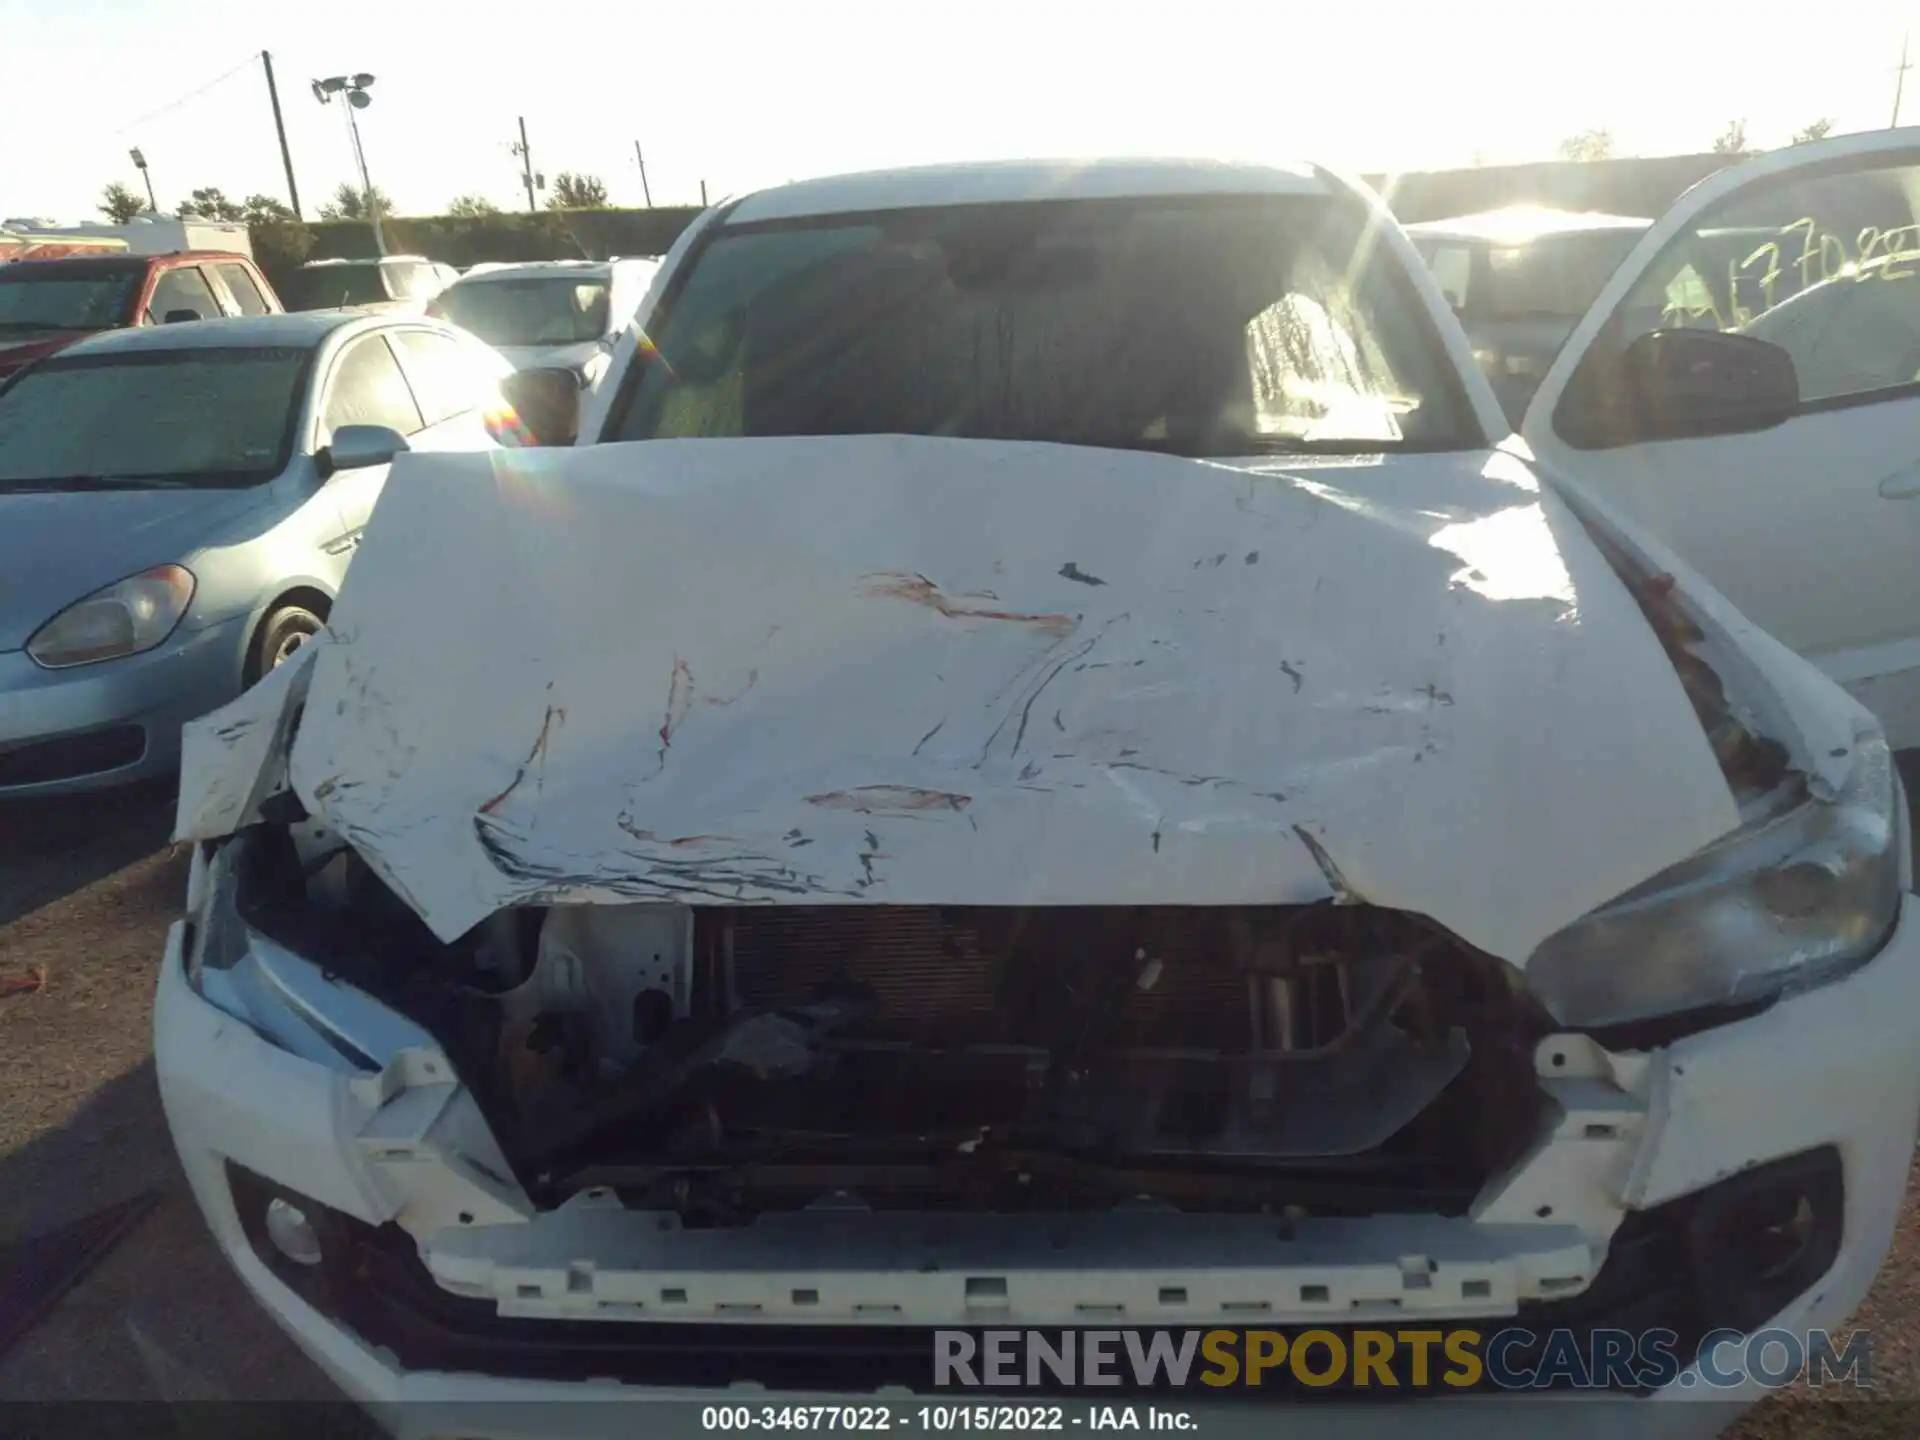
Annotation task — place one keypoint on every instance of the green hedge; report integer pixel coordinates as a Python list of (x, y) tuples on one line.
[(462, 240)]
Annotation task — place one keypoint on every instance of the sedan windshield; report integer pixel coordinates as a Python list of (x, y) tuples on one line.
[(169, 417), (332, 287), (557, 310), (1218, 326), (33, 300)]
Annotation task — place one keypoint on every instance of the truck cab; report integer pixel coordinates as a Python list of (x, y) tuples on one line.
[(46, 305)]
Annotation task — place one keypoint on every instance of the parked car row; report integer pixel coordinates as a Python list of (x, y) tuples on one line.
[(1045, 749), (185, 468)]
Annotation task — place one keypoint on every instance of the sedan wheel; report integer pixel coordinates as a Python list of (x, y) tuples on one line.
[(280, 638)]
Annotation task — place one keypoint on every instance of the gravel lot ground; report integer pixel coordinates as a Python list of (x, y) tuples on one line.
[(86, 890)]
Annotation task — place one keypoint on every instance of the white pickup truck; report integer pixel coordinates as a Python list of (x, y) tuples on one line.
[(1035, 801)]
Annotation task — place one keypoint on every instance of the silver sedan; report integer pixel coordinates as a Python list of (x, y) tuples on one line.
[(178, 505)]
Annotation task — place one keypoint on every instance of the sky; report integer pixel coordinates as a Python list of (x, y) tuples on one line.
[(743, 94)]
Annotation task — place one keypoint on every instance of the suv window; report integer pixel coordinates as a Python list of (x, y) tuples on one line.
[(410, 280), (1452, 266), (449, 379), (368, 389), (245, 293), (329, 287), (1826, 265), (182, 287)]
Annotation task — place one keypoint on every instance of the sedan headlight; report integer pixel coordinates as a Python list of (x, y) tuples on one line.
[(1790, 899), (132, 615)]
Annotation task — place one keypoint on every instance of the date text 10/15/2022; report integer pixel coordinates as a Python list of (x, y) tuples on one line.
[(1318, 1360)]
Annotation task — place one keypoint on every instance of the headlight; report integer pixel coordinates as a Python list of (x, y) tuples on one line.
[(1786, 901), (125, 618)]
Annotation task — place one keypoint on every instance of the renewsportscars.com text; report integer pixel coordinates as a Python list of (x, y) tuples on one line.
[(1512, 1358)]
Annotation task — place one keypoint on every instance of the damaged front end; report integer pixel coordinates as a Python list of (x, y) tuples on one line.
[(972, 969), (720, 1064)]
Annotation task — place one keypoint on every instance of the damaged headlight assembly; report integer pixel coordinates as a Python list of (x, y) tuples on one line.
[(1791, 899)]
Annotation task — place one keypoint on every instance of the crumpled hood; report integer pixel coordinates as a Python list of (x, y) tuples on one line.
[(911, 671), (59, 548)]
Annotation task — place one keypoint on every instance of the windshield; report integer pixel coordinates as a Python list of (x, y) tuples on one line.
[(330, 287), (1554, 277), (51, 301), (176, 417), (1218, 326), (559, 310)]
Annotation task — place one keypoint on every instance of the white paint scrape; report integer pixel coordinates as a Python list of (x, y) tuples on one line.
[(910, 671)]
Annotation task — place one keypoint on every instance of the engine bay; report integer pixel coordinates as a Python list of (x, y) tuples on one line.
[(725, 1062)]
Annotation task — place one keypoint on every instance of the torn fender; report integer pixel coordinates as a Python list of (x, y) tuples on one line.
[(235, 759), (914, 671)]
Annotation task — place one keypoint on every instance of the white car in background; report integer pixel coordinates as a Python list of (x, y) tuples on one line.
[(563, 314), (1048, 761)]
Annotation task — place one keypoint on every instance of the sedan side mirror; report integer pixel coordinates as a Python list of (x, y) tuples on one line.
[(177, 317), (546, 402), (359, 447)]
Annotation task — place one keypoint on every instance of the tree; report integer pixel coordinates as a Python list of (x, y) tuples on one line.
[(1588, 145), (349, 204), (1818, 130), (208, 203), (119, 204), (470, 206), (1732, 140), (577, 192), (264, 210)]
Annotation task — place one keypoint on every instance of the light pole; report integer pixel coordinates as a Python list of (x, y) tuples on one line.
[(140, 164), (354, 87)]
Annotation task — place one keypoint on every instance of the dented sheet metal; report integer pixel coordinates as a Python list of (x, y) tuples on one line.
[(911, 671), (235, 759)]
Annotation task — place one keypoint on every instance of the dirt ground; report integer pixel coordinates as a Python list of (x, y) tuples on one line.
[(87, 890)]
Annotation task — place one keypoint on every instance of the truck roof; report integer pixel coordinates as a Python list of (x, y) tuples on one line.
[(120, 261)]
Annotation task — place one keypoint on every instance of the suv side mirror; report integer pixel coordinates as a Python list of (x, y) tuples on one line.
[(1680, 385), (1709, 382), (547, 402), (359, 447)]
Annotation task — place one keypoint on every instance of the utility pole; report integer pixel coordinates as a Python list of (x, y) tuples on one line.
[(703, 194), (280, 127), (644, 190), (1900, 82), (526, 166)]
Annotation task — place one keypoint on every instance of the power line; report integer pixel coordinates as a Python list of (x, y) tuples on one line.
[(190, 95)]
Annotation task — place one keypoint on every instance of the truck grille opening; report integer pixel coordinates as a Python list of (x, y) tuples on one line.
[(722, 1063)]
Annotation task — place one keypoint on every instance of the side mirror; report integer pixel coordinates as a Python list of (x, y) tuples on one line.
[(1680, 385), (360, 447), (1707, 382), (176, 317), (546, 402)]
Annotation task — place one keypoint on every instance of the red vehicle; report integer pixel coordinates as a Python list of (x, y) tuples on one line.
[(46, 305)]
